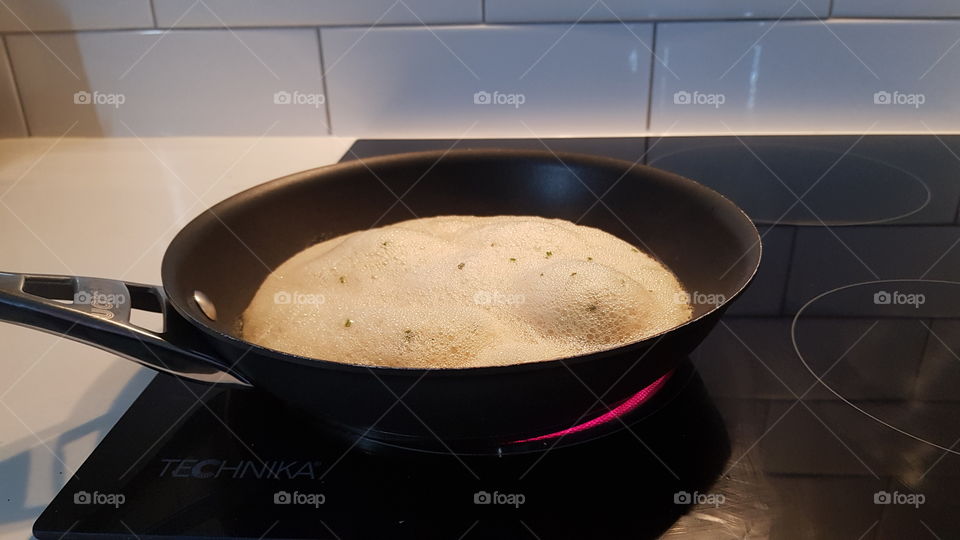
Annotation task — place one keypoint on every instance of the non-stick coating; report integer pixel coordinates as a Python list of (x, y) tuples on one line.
[(229, 250)]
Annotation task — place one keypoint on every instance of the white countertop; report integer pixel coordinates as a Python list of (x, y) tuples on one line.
[(104, 208)]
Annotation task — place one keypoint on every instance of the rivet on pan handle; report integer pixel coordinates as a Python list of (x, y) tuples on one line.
[(97, 312), (205, 304)]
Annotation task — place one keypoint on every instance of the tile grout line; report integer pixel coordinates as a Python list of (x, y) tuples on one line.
[(653, 63), (323, 81), (461, 24), (153, 12), (790, 257), (8, 58), (925, 352), (956, 214)]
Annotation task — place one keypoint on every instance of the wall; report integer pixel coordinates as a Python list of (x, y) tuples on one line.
[(474, 68)]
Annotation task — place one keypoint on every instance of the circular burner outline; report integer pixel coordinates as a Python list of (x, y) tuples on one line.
[(840, 156), (680, 377), (796, 348)]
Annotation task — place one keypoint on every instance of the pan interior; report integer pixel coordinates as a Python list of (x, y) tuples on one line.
[(229, 250)]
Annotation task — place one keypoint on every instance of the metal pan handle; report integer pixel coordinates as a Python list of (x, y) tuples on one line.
[(97, 312)]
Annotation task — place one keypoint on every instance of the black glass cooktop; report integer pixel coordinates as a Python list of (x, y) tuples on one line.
[(823, 405)]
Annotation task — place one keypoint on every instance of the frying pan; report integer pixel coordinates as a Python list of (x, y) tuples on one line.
[(214, 266)]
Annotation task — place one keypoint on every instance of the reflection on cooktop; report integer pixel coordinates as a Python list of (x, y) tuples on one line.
[(822, 406), (245, 464), (882, 348), (810, 185)]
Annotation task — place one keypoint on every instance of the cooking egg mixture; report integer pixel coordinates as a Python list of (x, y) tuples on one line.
[(464, 291)]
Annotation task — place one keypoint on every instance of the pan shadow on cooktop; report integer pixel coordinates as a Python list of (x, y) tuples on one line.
[(241, 464)]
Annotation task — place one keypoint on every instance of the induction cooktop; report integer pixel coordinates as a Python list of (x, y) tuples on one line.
[(823, 405)]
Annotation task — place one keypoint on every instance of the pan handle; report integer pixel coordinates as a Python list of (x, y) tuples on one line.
[(97, 312)]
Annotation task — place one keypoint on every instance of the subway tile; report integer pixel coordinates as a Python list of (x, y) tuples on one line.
[(807, 440), (861, 359), (826, 259), (895, 8), (46, 15), (765, 294), (939, 375), (841, 179), (758, 350), (184, 82), (909, 299), (11, 116), (843, 352), (216, 13), (503, 81), (805, 76), (614, 10)]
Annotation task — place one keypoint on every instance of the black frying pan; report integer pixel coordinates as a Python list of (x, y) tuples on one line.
[(226, 252)]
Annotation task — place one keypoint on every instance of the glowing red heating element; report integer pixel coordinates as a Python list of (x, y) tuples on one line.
[(627, 406)]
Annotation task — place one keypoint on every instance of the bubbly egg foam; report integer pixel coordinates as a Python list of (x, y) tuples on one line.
[(464, 291)]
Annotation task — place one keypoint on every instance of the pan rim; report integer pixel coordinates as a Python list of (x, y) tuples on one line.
[(435, 155)]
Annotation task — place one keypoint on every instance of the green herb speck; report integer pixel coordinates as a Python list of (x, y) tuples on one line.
[(549, 254), (461, 265), (348, 323), (343, 279), (513, 259)]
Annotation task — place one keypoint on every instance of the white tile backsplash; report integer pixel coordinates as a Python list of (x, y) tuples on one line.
[(896, 8), (195, 82), (401, 68), (216, 13), (806, 76), (11, 117), (613, 10), (522, 81), (46, 15)]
